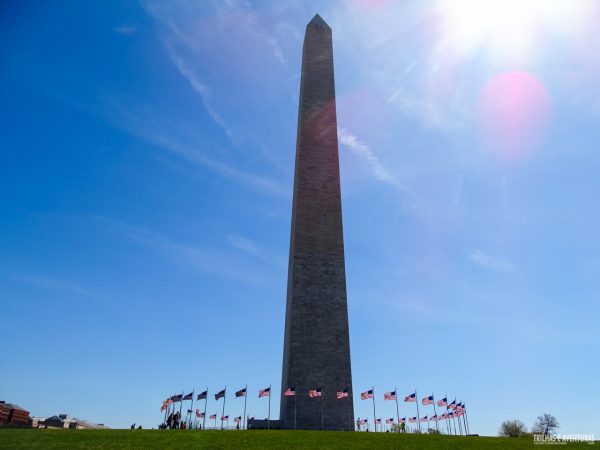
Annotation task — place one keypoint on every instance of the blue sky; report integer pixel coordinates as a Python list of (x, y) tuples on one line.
[(146, 162)]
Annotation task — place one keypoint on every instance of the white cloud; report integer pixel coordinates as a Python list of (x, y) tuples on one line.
[(190, 148), (200, 258), (53, 284), (125, 29), (482, 259), (363, 150)]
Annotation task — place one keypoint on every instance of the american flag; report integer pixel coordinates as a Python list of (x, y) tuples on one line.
[(199, 415), (442, 402), (444, 416), (163, 407), (367, 394), (403, 420), (389, 421), (423, 419), (411, 398), (377, 421), (452, 405), (202, 395), (389, 395), (220, 394), (176, 398), (238, 419), (241, 393), (189, 396), (364, 421), (412, 419), (458, 412), (212, 416), (289, 392), (432, 418), (450, 414), (314, 393), (264, 392), (342, 394), (224, 417), (427, 400)]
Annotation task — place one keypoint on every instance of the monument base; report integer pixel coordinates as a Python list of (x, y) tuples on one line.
[(263, 424)]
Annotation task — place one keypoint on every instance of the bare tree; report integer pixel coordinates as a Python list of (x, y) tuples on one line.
[(512, 428), (545, 424)]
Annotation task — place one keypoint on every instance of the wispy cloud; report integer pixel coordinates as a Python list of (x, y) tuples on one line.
[(53, 284), (202, 90), (484, 260), (253, 249), (360, 148), (197, 257), (125, 29), (190, 147)]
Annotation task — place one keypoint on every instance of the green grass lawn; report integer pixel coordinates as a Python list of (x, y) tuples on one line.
[(168, 439)]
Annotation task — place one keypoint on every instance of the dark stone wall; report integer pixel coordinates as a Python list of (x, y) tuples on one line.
[(316, 345)]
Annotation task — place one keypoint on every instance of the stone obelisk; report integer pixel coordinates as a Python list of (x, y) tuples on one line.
[(316, 351)]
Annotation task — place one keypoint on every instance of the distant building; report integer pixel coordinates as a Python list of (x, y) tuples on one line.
[(65, 421), (12, 414)]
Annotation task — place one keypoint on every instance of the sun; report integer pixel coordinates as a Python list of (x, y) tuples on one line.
[(508, 29)]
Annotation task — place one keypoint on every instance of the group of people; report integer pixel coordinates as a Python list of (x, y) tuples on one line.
[(174, 421)]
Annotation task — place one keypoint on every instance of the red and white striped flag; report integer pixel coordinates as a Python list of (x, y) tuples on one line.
[(224, 417), (238, 419), (342, 394), (411, 398), (412, 420), (289, 392), (199, 415), (314, 393), (264, 392), (389, 395), (212, 416), (442, 402), (423, 419), (427, 400), (389, 421), (367, 394)]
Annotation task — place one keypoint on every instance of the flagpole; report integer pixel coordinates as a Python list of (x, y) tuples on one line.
[(454, 422), (191, 408), (374, 415), (459, 425), (418, 417), (180, 405), (205, 403), (446, 397), (295, 409), (166, 412), (269, 416), (435, 412), (397, 410), (466, 418), (224, 396), (463, 416), (321, 409), (245, 421)]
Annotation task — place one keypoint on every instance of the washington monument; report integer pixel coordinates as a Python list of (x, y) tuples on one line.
[(316, 352)]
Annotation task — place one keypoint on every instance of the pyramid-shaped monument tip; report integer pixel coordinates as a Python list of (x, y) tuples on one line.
[(318, 22)]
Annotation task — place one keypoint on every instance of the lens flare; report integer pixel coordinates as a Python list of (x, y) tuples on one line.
[(514, 109)]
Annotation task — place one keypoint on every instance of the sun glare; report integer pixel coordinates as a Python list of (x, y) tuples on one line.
[(508, 29)]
